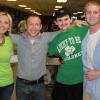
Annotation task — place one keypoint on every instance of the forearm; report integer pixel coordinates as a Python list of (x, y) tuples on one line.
[(79, 23), (98, 73)]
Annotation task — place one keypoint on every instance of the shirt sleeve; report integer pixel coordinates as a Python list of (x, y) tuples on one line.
[(50, 35), (15, 38)]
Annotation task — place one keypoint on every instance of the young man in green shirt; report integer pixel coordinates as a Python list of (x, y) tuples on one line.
[(67, 46)]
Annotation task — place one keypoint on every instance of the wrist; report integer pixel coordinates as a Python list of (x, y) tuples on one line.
[(97, 74)]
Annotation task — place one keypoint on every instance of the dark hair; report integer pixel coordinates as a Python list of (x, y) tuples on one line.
[(62, 12), (33, 15)]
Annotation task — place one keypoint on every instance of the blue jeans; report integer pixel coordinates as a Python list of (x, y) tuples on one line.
[(6, 92), (30, 92)]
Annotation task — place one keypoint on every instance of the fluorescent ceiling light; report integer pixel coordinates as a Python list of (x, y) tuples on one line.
[(58, 6), (11, 0), (37, 13), (56, 9), (80, 12), (27, 8), (75, 13), (32, 10), (22, 5), (62, 1)]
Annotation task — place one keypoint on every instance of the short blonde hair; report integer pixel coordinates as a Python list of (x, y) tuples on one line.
[(10, 20), (22, 26), (93, 2)]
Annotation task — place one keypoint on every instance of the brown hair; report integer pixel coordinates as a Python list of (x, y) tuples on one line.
[(33, 15)]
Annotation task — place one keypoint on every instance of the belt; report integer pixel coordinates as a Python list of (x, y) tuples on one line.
[(32, 82)]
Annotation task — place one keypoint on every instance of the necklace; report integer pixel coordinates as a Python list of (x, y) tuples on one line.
[(3, 41)]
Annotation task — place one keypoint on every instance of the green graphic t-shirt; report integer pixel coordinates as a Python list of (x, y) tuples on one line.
[(6, 75), (67, 45)]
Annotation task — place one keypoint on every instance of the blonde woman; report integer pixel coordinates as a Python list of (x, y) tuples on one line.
[(6, 49)]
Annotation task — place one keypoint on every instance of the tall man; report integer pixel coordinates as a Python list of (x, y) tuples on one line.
[(32, 49), (91, 52)]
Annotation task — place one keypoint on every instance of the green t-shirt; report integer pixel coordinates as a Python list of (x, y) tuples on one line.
[(67, 45), (6, 75)]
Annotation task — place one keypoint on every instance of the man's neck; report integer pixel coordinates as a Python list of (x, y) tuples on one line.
[(94, 29)]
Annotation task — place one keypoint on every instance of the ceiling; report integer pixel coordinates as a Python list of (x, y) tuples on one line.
[(45, 7)]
